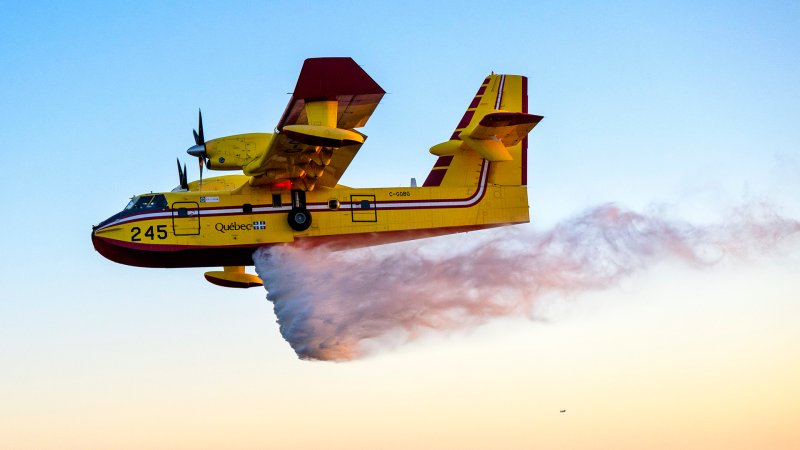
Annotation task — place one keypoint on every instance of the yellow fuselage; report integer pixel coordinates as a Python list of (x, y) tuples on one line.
[(223, 221), (478, 181)]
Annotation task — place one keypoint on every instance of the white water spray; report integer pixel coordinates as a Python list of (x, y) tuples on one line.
[(329, 304)]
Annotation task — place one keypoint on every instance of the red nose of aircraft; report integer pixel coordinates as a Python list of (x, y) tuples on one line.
[(142, 254), (108, 248)]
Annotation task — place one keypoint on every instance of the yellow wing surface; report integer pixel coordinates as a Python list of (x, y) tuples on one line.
[(315, 140)]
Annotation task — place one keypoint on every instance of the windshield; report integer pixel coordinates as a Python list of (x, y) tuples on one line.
[(147, 202), (138, 204)]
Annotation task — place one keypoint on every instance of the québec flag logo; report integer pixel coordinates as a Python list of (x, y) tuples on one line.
[(260, 225)]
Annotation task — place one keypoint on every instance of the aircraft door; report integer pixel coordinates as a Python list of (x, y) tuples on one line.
[(363, 208), (186, 218)]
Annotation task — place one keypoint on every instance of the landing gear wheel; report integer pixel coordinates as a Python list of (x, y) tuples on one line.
[(299, 219)]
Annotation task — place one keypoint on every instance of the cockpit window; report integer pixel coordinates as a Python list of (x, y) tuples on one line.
[(158, 202), (142, 202), (147, 202)]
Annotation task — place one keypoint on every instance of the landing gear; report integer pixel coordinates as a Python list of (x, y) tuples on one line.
[(299, 217)]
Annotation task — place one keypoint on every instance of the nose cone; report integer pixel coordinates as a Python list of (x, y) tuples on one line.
[(115, 250), (94, 241), (105, 241), (100, 245)]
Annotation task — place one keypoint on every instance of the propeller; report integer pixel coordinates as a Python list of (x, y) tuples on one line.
[(182, 180), (200, 163), (199, 147)]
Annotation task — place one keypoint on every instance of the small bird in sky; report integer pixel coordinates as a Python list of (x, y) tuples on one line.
[(563, 410)]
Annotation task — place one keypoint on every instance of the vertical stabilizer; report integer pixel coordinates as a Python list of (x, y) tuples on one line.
[(494, 128)]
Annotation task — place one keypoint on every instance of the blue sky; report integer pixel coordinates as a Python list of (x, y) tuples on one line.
[(692, 106)]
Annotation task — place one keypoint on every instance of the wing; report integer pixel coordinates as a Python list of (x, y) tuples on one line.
[(314, 141)]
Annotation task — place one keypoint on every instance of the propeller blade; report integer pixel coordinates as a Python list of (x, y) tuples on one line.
[(182, 180), (200, 127), (200, 163), (199, 138), (199, 147)]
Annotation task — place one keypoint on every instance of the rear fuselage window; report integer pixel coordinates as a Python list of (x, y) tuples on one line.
[(276, 200)]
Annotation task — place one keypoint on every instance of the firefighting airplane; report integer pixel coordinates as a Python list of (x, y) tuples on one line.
[(289, 191)]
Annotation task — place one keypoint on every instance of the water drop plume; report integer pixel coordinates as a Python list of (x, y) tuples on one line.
[(344, 305)]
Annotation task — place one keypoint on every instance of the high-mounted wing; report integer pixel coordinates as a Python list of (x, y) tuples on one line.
[(315, 142), (328, 79)]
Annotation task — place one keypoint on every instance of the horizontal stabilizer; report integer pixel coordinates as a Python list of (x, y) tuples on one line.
[(491, 135), (508, 127)]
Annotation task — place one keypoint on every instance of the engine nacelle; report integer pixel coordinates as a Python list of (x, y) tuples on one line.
[(234, 152)]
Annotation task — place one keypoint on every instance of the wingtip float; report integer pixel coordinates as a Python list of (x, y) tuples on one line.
[(288, 189)]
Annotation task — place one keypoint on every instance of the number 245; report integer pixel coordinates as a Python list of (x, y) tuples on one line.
[(160, 233)]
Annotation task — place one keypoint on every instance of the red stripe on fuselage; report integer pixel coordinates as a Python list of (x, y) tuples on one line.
[(316, 206), (165, 256), (243, 255)]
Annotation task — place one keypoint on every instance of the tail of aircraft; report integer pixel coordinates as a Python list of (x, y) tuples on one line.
[(494, 128)]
